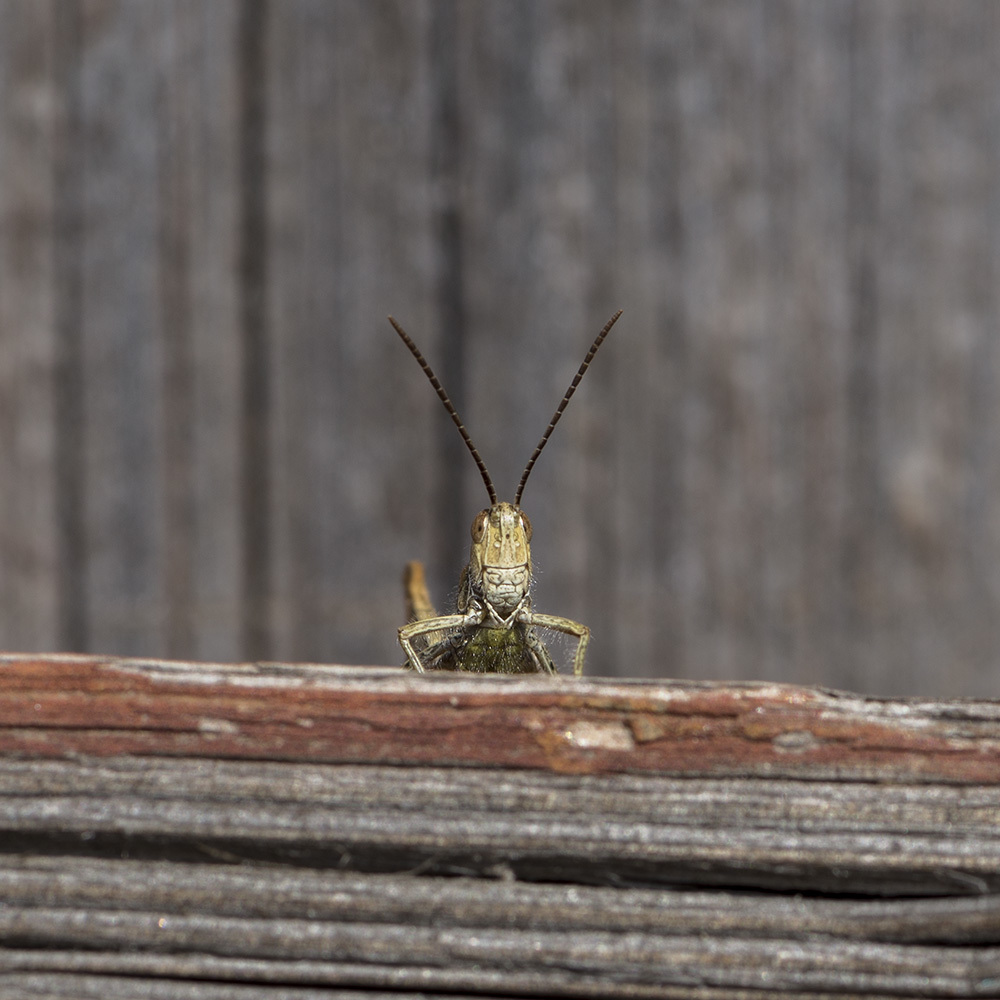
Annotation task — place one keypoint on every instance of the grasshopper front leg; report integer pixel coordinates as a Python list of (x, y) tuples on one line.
[(423, 627), (567, 627)]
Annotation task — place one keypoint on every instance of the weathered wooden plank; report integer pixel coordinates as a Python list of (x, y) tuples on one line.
[(861, 839), (124, 202), (116, 157), (936, 522), (277, 829), (32, 986), (350, 217), (317, 928), (200, 80), (154, 158), (268, 892), (283, 893), (29, 348), (53, 705), (646, 968)]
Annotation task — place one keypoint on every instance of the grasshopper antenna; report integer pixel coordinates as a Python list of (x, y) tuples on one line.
[(450, 406), (562, 406)]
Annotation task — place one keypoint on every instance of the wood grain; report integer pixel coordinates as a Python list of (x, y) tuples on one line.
[(217, 831), (50, 705), (29, 374), (199, 922)]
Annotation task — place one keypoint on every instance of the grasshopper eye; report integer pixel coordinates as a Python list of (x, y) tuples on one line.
[(479, 526), (526, 524)]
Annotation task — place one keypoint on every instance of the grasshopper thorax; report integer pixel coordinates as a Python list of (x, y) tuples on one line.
[(499, 570)]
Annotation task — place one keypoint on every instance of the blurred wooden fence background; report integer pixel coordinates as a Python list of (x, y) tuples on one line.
[(783, 465)]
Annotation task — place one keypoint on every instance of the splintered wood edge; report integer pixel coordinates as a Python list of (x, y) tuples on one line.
[(58, 705)]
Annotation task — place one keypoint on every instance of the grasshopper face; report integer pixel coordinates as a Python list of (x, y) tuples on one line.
[(499, 570)]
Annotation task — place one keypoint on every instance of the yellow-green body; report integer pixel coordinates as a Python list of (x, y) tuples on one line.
[(481, 650)]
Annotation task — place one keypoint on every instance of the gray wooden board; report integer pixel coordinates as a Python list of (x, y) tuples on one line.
[(29, 493), (855, 838), (783, 464), (34, 986), (91, 919), (220, 879)]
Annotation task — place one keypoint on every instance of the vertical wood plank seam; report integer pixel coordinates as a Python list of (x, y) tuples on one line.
[(862, 466), (68, 249), (174, 268), (446, 175), (256, 384)]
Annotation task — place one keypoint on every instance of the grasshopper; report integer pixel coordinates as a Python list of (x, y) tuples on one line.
[(493, 629)]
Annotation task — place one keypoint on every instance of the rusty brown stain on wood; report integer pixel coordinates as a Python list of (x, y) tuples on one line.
[(55, 705)]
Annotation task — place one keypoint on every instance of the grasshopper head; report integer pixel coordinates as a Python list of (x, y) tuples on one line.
[(500, 559)]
